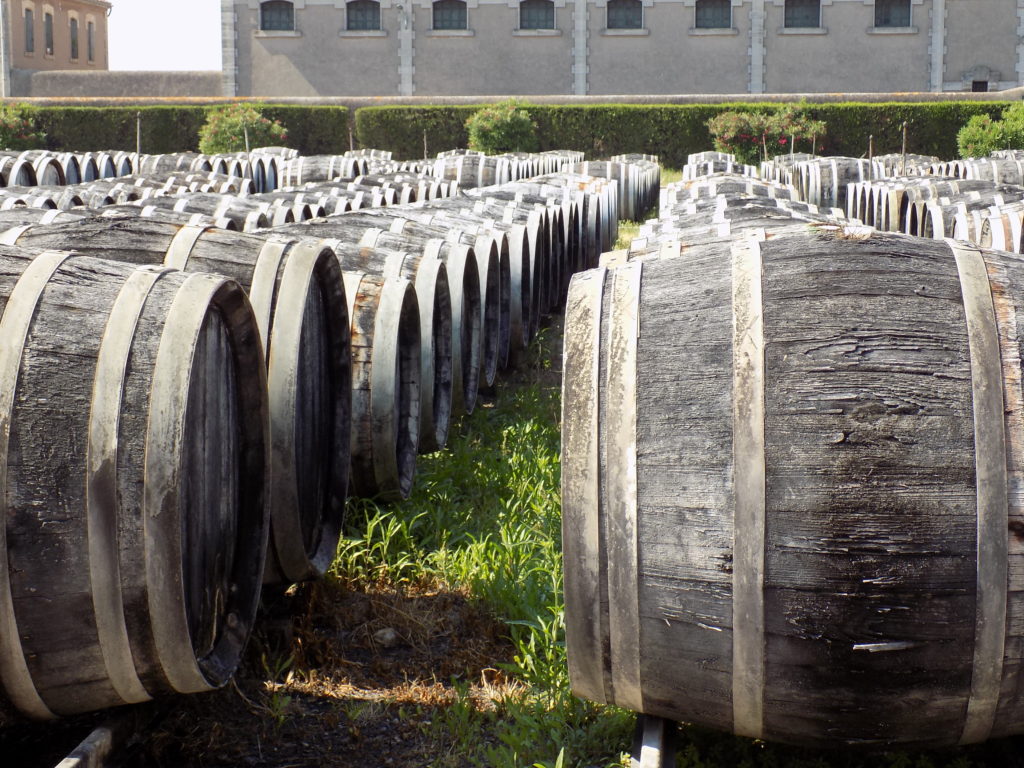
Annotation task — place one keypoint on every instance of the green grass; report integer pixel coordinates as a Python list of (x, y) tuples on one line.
[(485, 517), (668, 175)]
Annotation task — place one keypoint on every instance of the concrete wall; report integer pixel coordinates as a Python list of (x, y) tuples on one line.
[(949, 42), (73, 84)]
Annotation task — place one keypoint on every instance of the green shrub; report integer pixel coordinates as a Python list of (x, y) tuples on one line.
[(237, 128), (18, 129), (502, 127), (981, 136)]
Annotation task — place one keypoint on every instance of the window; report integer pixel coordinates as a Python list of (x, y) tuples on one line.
[(90, 40), (450, 14), (362, 14), (537, 14), (625, 14), (979, 86), (803, 13), (48, 32), (30, 31), (713, 14), (277, 15), (74, 37), (892, 13)]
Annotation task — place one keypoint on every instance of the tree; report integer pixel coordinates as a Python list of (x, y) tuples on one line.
[(502, 127), (226, 128)]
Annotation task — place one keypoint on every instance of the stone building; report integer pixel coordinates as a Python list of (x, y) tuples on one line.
[(50, 35), (616, 47)]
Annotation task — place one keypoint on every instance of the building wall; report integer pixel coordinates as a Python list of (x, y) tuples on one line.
[(949, 44), (114, 85), (84, 11)]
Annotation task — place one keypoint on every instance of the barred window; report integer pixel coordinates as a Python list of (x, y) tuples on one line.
[(74, 38), (713, 14), (30, 31), (362, 14), (450, 14), (537, 14), (277, 15), (625, 14), (803, 13), (892, 13)]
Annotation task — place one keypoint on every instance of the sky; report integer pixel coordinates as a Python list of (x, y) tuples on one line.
[(165, 34)]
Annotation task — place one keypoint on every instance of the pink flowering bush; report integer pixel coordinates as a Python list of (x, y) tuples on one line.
[(18, 129), (755, 136), (225, 129)]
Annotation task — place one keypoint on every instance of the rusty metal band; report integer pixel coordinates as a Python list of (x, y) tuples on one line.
[(749, 486), (264, 285), (180, 248), (619, 441), (284, 361), (992, 503), (14, 327), (10, 237), (101, 492), (581, 484), (161, 506)]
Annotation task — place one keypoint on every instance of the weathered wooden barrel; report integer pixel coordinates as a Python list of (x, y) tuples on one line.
[(385, 384), (15, 171), (48, 169), (466, 308), (789, 489), (133, 481), (17, 216), (166, 215), (178, 161), (317, 168), (298, 295), (429, 277), (246, 215)]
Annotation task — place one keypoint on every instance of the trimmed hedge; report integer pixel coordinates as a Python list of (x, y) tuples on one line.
[(674, 131), (311, 130)]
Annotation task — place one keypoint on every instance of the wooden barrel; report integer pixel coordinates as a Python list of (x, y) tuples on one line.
[(429, 277), (385, 384), (789, 484), (298, 295), (133, 481), (15, 171)]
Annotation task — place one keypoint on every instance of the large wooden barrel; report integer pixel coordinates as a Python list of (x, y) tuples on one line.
[(297, 292), (385, 384), (429, 277), (134, 487), (790, 489)]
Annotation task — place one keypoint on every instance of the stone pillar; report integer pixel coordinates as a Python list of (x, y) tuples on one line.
[(937, 46), (406, 49), (229, 48), (756, 50), (1020, 42), (5, 51), (580, 48)]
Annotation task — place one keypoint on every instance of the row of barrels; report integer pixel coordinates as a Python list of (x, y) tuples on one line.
[(790, 454), (184, 408)]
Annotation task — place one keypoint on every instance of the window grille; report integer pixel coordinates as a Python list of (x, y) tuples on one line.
[(74, 38), (363, 14), (450, 14), (713, 14), (625, 14), (277, 15), (30, 31), (803, 13), (537, 14), (892, 13)]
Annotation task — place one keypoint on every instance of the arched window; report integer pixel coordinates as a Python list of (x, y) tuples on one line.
[(450, 14), (537, 14), (30, 31), (713, 14), (73, 23), (90, 38), (803, 13), (892, 13), (625, 14), (362, 14), (277, 15)]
